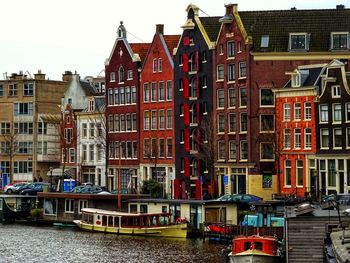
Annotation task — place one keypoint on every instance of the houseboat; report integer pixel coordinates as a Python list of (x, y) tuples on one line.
[(254, 249), (144, 224), (16, 207)]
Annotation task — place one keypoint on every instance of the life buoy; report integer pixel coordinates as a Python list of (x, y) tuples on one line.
[(180, 220)]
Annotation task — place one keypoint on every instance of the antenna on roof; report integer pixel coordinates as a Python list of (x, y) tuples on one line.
[(204, 12), (136, 37)]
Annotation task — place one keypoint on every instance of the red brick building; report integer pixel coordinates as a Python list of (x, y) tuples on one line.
[(122, 111), (157, 148)]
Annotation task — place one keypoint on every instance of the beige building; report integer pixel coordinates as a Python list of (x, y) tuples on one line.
[(29, 139)]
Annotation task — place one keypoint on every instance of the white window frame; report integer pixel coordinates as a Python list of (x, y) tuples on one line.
[(306, 44), (83, 203), (336, 91), (307, 139), (286, 117), (334, 121), (307, 111), (70, 209), (340, 33), (299, 168), (321, 111), (341, 135), (285, 145), (321, 145), (297, 144), (285, 172), (261, 152)]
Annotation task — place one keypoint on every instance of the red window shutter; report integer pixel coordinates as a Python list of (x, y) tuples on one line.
[(187, 140), (186, 41), (186, 115), (187, 166), (197, 64), (177, 188), (185, 88), (185, 63), (198, 194)]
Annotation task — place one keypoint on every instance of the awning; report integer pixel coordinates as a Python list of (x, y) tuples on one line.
[(58, 172)]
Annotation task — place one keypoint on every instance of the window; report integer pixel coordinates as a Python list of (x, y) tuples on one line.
[(324, 138), (128, 122), (110, 97), (264, 41), (92, 130), (296, 79), (204, 56), (336, 112), (231, 98), (161, 148), (232, 122), (335, 91), (121, 96), (153, 119), (286, 139), (122, 122), (133, 95), (221, 150), (129, 74), (332, 173), (297, 111), (266, 97), (84, 149), (324, 113), (286, 112), (24, 147), (169, 90), (127, 95), (161, 91), (110, 122), (242, 70), (299, 168), (154, 92), (298, 42), (308, 141), (134, 123), (243, 122), (287, 172), (266, 151), (160, 65), (71, 155), (23, 167), (267, 123), (193, 89), (1, 90), (91, 105), (232, 150), (221, 122), (42, 148), (204, 82), (13, 91), (42, 127), (169, 119), (68, 134), (82, 204), (154, 148), (161, 120), (28, 89), (340, 41), (5, 148), (116, 122), (230, 49), (337, 138), (154, 65), (69, 206), (231, 72), (146, 148), (220, 72), (297, 138), (243, 97), (307, 111), (112, 76), (23, 109), (169, 148), (146, 120), (121, 74), (116, 96), (145, 92), (244, 150), (221, 98), (23, 128), (5, 128), (347, 137), (50, 206), (347, 112)]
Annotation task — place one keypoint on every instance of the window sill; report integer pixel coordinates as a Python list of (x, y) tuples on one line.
[(267, 106), (230, 58), (231, 82), (242, 78), (220, 80)]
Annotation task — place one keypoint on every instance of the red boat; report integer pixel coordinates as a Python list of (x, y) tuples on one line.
[(255, 249)]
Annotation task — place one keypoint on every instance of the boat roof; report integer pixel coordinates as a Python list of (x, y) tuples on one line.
[(255, 238), (116, 213)]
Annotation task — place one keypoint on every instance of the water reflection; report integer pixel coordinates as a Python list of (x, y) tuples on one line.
[(20, 243)]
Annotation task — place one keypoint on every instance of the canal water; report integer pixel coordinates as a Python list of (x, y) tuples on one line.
[(23, 243)]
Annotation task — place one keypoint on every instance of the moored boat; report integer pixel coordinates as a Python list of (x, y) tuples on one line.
[(255, 249), (145, 224)]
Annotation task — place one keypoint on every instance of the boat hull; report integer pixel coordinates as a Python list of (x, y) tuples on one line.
[(176, 231), (254, 259)]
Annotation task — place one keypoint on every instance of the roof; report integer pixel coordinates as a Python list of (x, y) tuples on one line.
[(88, 88), (319, 23), (141, 49), (310, 77), (211, 26), (171, 41)]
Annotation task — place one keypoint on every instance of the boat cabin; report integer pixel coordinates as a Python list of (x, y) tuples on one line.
[(265, 244)]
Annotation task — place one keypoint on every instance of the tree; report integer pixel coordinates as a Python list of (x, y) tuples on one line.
[(153, 188), (10, 146)]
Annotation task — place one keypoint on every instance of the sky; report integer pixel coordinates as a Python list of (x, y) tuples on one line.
[(78, 35)]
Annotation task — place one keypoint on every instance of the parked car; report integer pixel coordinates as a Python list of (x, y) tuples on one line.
[(34, 188), (13, 188), (91, 190), (241, 198), (78, 189)]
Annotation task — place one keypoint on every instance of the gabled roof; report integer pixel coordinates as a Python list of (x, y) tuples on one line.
[(211, 26), (88, 88), (277, 24), (171, 41), (140, 49)]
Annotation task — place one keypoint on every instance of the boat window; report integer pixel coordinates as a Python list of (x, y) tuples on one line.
[(104, 220), (124, 221), (164, 209), (252, 245), (116, 221), (133, 208), (110, 221), (137, 221), (143, 209)]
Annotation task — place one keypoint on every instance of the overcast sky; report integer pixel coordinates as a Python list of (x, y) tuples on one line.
[(78, 35)]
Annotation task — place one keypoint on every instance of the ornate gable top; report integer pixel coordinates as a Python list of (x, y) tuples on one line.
[(121, 31)]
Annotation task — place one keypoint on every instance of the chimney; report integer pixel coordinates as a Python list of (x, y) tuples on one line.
[(340, 7), (67, 76), (39, 75), (228, 17), (293, 8), (160, 29)]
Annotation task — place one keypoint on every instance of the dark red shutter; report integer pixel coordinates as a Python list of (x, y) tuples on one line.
[(186, 115), (185, 63), (185, 88), (187, 140), (187, 167)]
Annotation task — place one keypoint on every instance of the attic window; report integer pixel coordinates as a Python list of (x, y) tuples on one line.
[(91, 105), (264, 41), (340, 41), (296, 80), (298, 42)]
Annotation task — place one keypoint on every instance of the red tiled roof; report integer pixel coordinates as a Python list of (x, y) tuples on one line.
[(171, 42), (141, 49)]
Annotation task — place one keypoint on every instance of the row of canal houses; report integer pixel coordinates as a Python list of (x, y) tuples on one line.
[(247, 102)]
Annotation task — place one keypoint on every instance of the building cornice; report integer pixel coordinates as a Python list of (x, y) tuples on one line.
[(284, 56)]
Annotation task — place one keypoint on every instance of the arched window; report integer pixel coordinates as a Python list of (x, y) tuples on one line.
[(193, 62), (193, 90), (194, 167), (193, 114), (193, 140), (121, 74)]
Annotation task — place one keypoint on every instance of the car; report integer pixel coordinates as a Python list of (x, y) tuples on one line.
[(91, 190), (13, 188), (33, 188), (78, 189), (240, 198)]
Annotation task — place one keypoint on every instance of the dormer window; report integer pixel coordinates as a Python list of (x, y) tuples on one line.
[(264, 41), (296, 80), (335, 91), (340, 41), (91, 105), (298, 42)]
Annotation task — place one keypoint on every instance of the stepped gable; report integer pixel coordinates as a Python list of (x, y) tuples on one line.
[(319, 23)]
